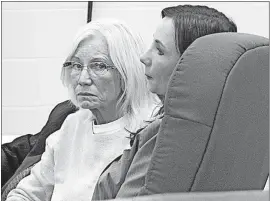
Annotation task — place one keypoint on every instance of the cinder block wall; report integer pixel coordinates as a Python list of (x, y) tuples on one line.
[(250, 17), (36, 37)]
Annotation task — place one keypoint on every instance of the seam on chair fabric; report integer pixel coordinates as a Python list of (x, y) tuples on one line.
[(207, 143), (187, 119)]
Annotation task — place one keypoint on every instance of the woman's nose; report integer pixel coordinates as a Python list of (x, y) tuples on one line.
[(85, 78), (146, 60)]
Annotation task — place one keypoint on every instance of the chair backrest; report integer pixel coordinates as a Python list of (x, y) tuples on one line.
[(215, 132)]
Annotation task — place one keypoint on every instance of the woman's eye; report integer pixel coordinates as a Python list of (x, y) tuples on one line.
[(160, 52), (77, 66), (101, 66)]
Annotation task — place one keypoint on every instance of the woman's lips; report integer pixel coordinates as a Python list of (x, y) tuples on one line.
[(85, 94)]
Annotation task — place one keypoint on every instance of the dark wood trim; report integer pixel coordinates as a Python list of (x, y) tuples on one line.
[(89, 11)]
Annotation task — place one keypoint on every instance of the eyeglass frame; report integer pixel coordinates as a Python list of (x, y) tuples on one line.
[(70, 63)]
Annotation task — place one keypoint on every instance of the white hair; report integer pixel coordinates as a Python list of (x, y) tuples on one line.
[(125, 48)]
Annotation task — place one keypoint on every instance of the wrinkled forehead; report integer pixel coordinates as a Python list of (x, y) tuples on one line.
[(92, 46)]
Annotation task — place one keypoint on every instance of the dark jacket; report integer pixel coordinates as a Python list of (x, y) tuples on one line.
[(13, 154)]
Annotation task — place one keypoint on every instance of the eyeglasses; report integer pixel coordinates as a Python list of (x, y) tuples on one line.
[(97, 68)]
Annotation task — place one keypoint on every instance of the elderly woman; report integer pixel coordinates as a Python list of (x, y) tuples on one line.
[(106, 81), (179, 27)]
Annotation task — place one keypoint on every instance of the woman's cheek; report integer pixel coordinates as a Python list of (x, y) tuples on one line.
[(74, 79)]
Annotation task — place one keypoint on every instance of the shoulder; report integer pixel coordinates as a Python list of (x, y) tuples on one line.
[(81, 114), (76, 118), (150, 131), (70, 124), (53, 139)]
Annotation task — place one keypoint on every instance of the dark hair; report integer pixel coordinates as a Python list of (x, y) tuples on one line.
[(192, 22)]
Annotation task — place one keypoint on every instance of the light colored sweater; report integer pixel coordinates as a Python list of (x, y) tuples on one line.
[(74, 158)]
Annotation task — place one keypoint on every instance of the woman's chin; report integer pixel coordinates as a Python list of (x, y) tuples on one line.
[(153, 89), (87, 105)]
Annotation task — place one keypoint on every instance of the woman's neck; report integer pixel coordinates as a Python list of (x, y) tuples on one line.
[(105, 116), (161, 97)]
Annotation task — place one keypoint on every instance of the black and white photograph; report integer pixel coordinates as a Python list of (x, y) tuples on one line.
[(135, 100)]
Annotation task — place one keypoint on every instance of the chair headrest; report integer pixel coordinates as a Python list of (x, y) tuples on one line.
[(198, 80)]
